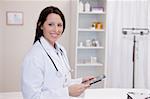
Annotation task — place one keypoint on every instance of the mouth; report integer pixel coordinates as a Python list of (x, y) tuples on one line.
[(54, 34)]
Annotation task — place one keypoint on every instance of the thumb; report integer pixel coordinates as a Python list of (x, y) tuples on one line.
[(86, 85)]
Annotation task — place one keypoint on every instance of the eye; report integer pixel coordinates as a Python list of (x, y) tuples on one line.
[(60, 25), (51, 24)]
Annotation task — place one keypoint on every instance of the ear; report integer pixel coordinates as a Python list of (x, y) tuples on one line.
[(41, 27)]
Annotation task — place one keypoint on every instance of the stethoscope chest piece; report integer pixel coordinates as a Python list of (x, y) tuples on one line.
[(58, 74)]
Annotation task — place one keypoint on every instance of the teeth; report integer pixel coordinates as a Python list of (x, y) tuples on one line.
[(54, 34)]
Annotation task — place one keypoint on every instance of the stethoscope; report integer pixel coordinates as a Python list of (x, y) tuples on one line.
[(58, 73)]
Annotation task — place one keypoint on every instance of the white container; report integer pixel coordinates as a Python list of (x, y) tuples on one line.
[(81, 7), (87, 7), (97, 43), (81, 44), (93, 60), (88, 43)]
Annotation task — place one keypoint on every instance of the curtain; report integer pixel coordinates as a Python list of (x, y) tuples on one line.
[(148, 83), (126, 14)]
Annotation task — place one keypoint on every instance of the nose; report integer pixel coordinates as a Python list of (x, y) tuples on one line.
[(56, 28)]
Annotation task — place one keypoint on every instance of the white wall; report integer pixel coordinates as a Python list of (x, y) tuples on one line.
[(18, 39), (0, 49), (73, 34)]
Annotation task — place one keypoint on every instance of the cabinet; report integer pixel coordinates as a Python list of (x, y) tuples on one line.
[(90, 39)]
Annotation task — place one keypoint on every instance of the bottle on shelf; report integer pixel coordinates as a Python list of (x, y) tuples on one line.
[(88, 43), (97, 25), (87, 7), (81, 6), (93, 60), (81, 44)]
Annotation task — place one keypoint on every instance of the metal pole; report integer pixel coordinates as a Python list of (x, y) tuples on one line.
[(133, 60), (134, 31)]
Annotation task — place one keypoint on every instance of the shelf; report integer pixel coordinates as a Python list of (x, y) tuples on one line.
[(101, 47), (89, 64), (90, 30), (94, 12), (90, 40)]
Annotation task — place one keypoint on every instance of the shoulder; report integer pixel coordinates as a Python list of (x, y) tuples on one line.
[(35, 52), (34, 59)]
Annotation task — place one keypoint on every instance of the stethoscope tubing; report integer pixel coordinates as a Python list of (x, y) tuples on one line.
[(49, 56), (62, 54)]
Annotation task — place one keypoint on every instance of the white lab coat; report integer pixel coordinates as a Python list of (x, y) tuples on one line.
[(39, 79)]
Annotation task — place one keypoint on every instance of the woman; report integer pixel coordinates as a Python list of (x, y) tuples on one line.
[(45, 69)]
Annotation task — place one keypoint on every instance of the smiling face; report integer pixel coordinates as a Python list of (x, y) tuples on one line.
[(52, 28)]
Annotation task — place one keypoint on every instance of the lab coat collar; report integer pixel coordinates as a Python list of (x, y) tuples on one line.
[(48, 46)]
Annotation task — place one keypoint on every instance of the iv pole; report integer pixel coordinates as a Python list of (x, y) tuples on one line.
[(134, 32)]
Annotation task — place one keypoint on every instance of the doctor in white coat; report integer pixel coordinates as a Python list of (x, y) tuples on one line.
[(45, 69)]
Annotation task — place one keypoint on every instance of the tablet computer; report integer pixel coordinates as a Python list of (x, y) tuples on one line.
[(98, 79)]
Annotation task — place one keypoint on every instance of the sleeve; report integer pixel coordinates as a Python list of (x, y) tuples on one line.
[(33, 81), (76, 81), (73, 81)]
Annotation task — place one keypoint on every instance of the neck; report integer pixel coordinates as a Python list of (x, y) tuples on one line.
[(51, 43)]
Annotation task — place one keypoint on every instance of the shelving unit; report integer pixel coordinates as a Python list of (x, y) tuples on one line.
[(90, 57)]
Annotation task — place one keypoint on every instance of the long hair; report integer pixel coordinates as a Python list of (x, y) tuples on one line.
[(42, 18)]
